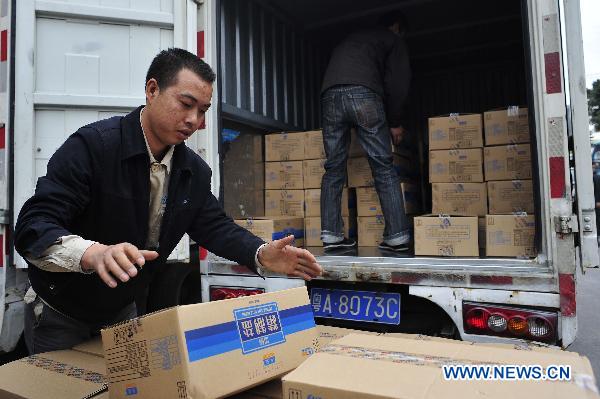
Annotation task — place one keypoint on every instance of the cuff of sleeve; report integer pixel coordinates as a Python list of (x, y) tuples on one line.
[(259, 267), (75, 248)]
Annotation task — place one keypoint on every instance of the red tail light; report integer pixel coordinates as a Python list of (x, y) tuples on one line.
[(218, 293), (484, 319)]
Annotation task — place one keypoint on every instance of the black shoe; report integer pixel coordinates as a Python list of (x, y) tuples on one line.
[(395, 248), (345, 243)]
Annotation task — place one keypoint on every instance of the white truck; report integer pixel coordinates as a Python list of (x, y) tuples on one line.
[(64, 63)]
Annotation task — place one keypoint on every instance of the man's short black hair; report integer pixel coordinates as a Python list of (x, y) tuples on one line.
[(390, 18), (167, 64)]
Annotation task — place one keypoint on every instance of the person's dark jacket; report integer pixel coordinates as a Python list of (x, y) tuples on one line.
[(377, 59), (97, 186)]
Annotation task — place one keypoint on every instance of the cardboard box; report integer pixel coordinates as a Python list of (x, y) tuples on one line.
[(284, 175), (312, 230), (355, 150), (284, 147), (312, 201), (510, 236), (243, 168), (269, 390), (370, 230), (512, 196), (313, 172), (507, 126), (455, 131), (368, 203), (284, 203), (359, 173), (242, 146), (359, 170), (507, 162), (327, 334), (275, 228), (66, 374), (446, 236), (481, 235), (456, 166), (210, 350), (460, 199), (377, 367), (313, 145), (243, 189)]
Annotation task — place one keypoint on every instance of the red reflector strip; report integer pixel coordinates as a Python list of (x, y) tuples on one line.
[(557, 177), (491, 280), (408, 278), (200, 44), (2, 138), (202, 253), (568, 301), (552, 66), (3, 45)]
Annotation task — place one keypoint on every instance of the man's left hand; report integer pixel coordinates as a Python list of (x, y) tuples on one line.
[(280, 257)]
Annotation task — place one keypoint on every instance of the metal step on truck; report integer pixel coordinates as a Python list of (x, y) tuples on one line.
[(64, 63)]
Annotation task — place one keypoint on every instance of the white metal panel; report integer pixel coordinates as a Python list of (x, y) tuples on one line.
[(79, 61), (581, 138), (208, 140)]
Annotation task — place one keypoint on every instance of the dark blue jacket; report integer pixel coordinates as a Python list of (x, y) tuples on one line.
[(98, 186)]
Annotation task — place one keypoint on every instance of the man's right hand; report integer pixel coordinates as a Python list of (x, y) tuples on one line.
[(397, 134), (116, 260)]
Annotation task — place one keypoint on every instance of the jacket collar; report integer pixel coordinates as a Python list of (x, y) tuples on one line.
[(133, 142)]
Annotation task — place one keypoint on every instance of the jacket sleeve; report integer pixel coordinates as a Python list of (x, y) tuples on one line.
[(59, 197), (218, 233), (396, 82)]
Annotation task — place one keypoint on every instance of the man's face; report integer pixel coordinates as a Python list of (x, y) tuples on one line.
[(176, 112)]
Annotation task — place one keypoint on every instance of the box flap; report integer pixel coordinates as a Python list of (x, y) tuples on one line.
[(399, 367), (92, 347), (62, 375)]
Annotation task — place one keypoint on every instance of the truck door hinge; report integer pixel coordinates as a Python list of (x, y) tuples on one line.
[(566, 224)]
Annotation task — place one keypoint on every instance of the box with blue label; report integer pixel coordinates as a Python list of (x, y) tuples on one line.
[(275, 228), (455, 131), (210, 350)]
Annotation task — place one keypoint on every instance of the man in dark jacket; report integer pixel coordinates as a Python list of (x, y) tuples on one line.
[(365, 86), (120, 193)]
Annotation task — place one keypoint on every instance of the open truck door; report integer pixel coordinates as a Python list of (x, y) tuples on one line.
[(585, 201)]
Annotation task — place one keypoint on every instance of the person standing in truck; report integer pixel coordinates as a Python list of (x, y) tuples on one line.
[(117, 197), (365, 86)]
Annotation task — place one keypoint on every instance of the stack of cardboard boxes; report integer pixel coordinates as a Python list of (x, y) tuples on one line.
[(503, 203), (244, 167), (510, 225), (293, 171), (459, 193), (369, 212)]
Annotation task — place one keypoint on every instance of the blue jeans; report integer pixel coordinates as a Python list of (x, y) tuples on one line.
[(344, 107), (48, 330)]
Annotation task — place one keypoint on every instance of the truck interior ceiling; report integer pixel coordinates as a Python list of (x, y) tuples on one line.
[(466, 56)]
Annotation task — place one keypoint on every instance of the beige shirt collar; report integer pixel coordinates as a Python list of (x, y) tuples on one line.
[(167, 159)]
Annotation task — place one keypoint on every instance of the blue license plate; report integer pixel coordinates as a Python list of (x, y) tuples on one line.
[(374, 307)]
